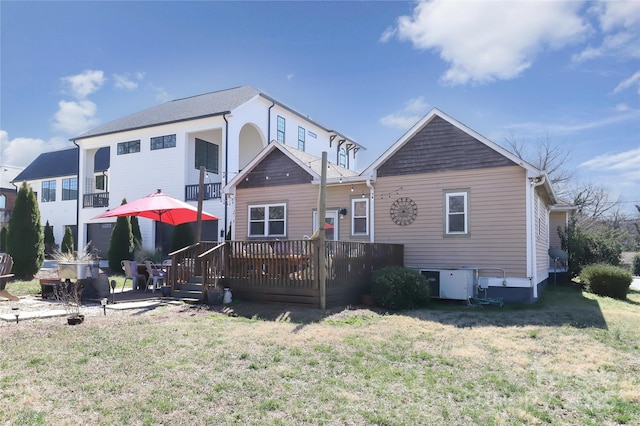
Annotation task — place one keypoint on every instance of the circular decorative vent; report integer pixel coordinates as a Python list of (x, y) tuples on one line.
[(403, 211)]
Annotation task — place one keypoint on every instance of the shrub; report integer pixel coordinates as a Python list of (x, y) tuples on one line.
[(50, 245), (606, 280), (25, 241), (636, 265), (3, 239), (182, 236), (395, 287), (587, 247)]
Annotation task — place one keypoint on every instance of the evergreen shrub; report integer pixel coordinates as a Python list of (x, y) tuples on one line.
[(606, 280), (396, 288), (25, 240)]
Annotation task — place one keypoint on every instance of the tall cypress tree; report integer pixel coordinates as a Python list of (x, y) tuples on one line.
[(25, 241), (49, 239), (121, 247), (67, 241)]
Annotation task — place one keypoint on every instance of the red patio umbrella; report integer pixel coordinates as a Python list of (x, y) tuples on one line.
[(159, 207)]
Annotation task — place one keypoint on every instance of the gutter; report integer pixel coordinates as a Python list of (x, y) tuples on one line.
[(535, 182), (78, 199), (226, 169), (372, 210), (269, 122)]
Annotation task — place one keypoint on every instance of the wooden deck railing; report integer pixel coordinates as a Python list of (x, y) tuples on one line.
[(286, 271), (185, 264)]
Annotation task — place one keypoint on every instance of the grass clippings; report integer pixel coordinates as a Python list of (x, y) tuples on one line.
[(571, 358)]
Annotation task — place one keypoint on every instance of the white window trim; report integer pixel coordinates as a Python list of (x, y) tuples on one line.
[(266, 220), (354, 217), (465, 195)]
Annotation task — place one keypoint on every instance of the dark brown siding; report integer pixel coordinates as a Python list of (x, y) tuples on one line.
[(276, 166), (440, 147)]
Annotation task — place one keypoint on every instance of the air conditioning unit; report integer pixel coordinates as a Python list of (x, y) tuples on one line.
[(455, 284)]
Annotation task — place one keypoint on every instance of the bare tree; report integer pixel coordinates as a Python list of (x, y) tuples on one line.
[(545, 155)]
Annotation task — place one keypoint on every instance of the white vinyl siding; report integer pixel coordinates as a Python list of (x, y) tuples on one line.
[(497, 204)]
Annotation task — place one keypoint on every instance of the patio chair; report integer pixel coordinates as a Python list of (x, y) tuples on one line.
[(130, 268), (6, 264), (155, 275)]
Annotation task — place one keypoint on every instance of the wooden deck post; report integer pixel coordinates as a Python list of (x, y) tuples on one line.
[(322, 250)]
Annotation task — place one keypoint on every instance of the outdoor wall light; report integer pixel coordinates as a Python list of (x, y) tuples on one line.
[(342, 212)]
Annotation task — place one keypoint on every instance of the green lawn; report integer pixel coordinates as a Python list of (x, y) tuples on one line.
[(572, 358)]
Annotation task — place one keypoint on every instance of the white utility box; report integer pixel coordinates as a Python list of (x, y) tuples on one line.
[(456, 284)]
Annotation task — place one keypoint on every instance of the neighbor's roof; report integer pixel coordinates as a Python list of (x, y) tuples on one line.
[(61, 163), (192, 108)]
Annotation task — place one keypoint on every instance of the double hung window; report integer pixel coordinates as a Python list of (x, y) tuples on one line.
[(360, 216), (268, 220), (70, 189), (456, 213)]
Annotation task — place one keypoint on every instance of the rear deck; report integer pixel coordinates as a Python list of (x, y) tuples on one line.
[(283, 271)]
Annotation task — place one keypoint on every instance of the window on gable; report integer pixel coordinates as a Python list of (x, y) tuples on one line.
[(70, 189), (48, 191), (342, 157), (207, 156), (267, 220), (456, 213), (281, 127), (301, 136), (359, 216), (162, 142), (128, 147)]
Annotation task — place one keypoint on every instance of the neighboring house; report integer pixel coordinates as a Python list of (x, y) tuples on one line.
[(466, 210), (8, 192), (164, 147), (53, 177)]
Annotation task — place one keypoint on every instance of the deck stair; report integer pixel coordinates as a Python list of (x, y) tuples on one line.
[(190, 291)]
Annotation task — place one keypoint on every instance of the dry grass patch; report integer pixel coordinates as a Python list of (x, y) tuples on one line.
[(565, 360)]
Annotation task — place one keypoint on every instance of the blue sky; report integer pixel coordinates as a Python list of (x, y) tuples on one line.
[(569, 71)]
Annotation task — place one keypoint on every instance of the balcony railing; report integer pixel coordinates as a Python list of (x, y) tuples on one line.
[(98, 199), (211, 191)]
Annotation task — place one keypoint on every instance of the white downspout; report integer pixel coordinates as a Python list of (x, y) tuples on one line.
[(372, 200), (531, 231)]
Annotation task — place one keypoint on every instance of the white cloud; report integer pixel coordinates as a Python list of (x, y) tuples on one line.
[(85, 83), (485, 41), (632, 81), (20, 152), (406, 117), (75, 117), (620, 26), (124, 82), (624, 115), (629, 160), (289, 77)]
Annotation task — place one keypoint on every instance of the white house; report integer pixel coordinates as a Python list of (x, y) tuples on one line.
[(164, 146), (53, 177)]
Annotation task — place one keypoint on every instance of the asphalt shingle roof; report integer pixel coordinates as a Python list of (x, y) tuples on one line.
[(206, 105), (61, 163)]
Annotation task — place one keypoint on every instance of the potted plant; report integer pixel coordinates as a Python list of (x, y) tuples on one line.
[(70, 295), (75, 265)]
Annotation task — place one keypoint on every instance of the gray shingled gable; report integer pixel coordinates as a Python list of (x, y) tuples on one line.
[(206, 105), (61, 163)]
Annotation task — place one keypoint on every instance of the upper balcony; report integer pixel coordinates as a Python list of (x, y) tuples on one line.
[(211, 191), (97, 199)]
